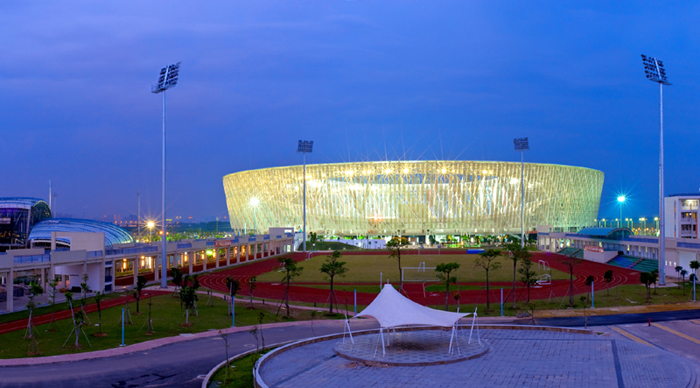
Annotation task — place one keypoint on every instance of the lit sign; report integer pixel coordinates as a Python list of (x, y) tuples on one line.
[(593, 248)]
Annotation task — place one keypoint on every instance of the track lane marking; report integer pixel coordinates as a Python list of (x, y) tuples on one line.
[(631, 336), (678, 333), (695, 321)]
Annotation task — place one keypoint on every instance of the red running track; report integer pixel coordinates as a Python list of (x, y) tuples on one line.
[(65, 314), (414, 291)]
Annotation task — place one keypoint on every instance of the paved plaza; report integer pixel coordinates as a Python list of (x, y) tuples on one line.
[(515, 358)]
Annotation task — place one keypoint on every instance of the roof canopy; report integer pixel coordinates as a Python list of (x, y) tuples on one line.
[(113, 233), (392, 309), (606, 233)]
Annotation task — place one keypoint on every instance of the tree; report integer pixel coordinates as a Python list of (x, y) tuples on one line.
[(140, 284), (34, 291), (395, 245), (655, 278), (52, 300), (683, 273), (188, 297), (176, 274), (443, 271), (570, 262), (98, 298), (84, 289), (251, 287), (678, 269), (516, 253), (647, 279), (695, 265), (608, 277), (589, 281), (292, 270), (313, 238), (333, 267), (527, 275), (486, 261), (233, 286)]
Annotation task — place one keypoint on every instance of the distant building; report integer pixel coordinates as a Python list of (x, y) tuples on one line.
[(17, 217), (682, 215), (41, 233)]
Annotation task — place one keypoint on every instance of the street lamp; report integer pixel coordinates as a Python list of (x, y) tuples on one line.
[(150, 226), (657, 224), (305, 147), (644, 224), (167, 79), (654, 70), (254, 203), (522, 144)]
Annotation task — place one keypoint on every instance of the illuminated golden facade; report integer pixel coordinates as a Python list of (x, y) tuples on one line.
[(414, 197)]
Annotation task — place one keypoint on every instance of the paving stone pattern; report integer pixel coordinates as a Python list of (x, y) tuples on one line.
[(425, 347), (515, 358)]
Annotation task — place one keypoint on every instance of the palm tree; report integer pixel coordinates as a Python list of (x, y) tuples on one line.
[(395, 245), (292, 270), (608, 277), (333, 267), (443, 272)]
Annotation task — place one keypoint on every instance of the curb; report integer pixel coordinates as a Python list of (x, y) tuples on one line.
[(147, 345)]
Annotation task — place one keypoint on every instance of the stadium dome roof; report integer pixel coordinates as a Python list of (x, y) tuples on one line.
[(113, 233), (19, 202)]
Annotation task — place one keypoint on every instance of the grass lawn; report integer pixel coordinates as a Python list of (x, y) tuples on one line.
[(45, 309), (620, 296), (240, 373), (366, 268), (166, 315), (329, 246)]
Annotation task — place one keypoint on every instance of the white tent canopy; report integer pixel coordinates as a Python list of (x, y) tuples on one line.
[(392, 309)]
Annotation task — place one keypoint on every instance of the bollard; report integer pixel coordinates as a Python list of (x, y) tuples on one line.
[(649, 321), (592, 296), (501, 301), (355, 302), (122, 328)]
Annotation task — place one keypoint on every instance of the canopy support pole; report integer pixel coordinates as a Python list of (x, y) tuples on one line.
[(474, 322), (452, 336), (381, 334), (347, 326)]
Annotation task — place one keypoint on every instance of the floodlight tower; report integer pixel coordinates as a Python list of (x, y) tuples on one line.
[(655, 72), (305, 147), (621, 199), (522, 144), (167, 79)]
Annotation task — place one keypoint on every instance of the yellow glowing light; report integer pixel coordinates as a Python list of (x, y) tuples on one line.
[(151, 224), (444, 170), (405, 171)]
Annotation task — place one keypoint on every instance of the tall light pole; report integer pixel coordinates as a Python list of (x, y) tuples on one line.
[(305, 147), (655, 72), (620, 200), (167, 79), (138, 214), (254, 204), (522, 145), (644, 224)]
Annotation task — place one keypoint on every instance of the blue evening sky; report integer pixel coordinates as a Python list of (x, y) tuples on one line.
[(367, 80)]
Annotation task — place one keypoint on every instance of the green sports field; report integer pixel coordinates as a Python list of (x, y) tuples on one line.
[(367, 269)]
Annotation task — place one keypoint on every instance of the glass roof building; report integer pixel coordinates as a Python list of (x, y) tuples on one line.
[(40, 235), (17, 217), (414, 198)]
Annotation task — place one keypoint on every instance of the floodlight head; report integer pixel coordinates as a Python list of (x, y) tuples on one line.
[(254, 201), (654, 70), (521, 144), (167, 78), (305, 146), (621, 199)]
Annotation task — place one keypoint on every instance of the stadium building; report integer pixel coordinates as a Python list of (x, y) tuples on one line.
[(414, 198), (17, 217)]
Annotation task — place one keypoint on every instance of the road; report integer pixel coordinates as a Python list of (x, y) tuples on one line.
[(176, 365)]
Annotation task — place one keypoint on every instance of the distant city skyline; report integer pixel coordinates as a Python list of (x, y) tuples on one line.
[(366, 81)]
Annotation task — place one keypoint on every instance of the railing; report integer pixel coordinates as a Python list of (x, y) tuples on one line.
[(688, 245), (126, 251), (32, 259), (93, 254)]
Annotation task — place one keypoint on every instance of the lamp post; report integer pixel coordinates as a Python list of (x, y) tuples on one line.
[(644, 224), (605, 223), (655, 72), (656, 219), (167, 79), (522, 144), (305, 147), (150, 225), (254, 204)]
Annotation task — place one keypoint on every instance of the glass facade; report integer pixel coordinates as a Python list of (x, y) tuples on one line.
[(17, 217)]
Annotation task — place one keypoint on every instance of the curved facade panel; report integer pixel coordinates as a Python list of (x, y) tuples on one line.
[(414, 197), (17, 217), (113, 233)]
